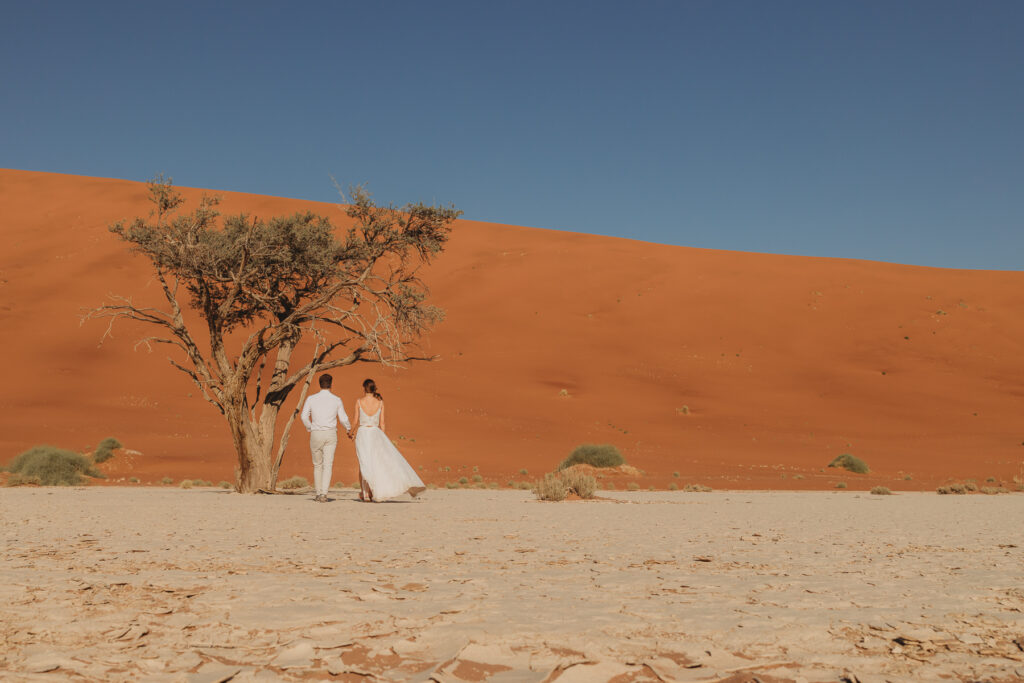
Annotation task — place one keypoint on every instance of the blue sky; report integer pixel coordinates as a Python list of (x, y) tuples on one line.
[(891, 131)]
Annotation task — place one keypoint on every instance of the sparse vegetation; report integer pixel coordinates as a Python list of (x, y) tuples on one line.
[(993, 490), (133, 480), (595, 455), (881, 491), (477, 478), (991, 480), (633, 486), (293, 483), (675, 474), (51, 466), (551, 487), (186, 484), (841, 485), (850, 463), (525, 486), (673, 487), (226, 485), (798, 476), (451, 485), (697, 488), (907, 477), (492, 484), (523, 471), (463, 481), (166, 481), (105, 450), (583, 485), (970, 485), (685, 410)]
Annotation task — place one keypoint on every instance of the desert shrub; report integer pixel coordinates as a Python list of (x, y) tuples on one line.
[(583, 485), (166, 480), (294, 483), (881, 491), (476, 468), (525, 486), (841, 485), (798, 476), (633, 486), (186, 484), (53, 466), (477, 478), (451, 485), (463, 481), (943, 491), (697, 488), (991, 480), (226, 485), (849, 462), (492, 485), (134, 480), (105, 450), (907, 477), (523, 471), (595, 455), (479, 485), (970, 486), (675, 474), (551, 487), (958, 489), (673, 487), (355, 486), (993, 490)]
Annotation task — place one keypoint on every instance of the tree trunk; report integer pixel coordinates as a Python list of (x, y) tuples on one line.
[(255, 465)]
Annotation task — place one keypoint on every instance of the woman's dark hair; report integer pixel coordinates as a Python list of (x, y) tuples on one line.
[(370, 387)]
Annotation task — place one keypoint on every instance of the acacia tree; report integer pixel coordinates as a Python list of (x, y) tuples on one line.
[(259, 287)]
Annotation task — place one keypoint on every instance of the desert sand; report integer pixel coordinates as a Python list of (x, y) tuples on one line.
[(149, 584), (738, 370)]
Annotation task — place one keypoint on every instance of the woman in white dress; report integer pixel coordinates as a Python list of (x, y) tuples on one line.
[(383, 472)]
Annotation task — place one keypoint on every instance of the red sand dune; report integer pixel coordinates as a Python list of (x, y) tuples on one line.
[(554, 339)]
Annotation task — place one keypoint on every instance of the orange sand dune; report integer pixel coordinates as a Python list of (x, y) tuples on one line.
[(735, 370)]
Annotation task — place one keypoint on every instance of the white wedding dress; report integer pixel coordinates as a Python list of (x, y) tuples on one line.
[(384, 470)]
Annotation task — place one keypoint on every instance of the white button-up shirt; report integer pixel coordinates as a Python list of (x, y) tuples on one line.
[(321, 412)]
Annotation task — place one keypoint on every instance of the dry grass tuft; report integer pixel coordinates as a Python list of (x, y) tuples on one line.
[(551, 487)]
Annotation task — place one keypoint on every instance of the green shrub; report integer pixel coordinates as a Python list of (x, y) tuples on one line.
[(583, 485), (595, 455), (186, 484), (52, 466), (202, 482), (463, 481), (675, 474), (673, 487), (105, 450), (970, 486), (991, 480), (697, 488), (523, 471), (841, 485), (451, 485), (525, 486), (477, 478), (551, 487), (294, 483), (134, 480), (881, 491), (848, 462), (226, 485)]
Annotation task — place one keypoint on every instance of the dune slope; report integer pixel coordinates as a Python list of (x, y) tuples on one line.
[(735, 370)]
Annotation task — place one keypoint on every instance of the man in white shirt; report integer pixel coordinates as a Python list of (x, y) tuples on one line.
[(320, 414)]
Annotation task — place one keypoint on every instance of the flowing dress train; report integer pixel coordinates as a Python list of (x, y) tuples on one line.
[(385, 471)]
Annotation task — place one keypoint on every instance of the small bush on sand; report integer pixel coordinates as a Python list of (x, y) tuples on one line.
[(133, 480), (673, 487), (697, 488), (881, 491), (492, 484), (202, 482), (105, 450), (226, 485), (848, 462), (524, 471), (52, 466), (991, 480), (186, 484), (463, 481), (958, 489), (294, 483), (970, 486), (633, 486), (798, 476), (477, 478), (166, 481), (841, 485), (551, 487), (675, 474), (525, 486), (583, 485), (595, 455), (993, 490), (20, 480), (451, 485)]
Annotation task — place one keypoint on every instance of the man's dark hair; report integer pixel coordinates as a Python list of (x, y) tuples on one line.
[(326, 381)]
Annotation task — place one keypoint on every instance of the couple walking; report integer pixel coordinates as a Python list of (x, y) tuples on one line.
[(383, 472)]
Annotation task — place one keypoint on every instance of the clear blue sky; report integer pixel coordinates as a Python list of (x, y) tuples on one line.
[(880, 130)]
